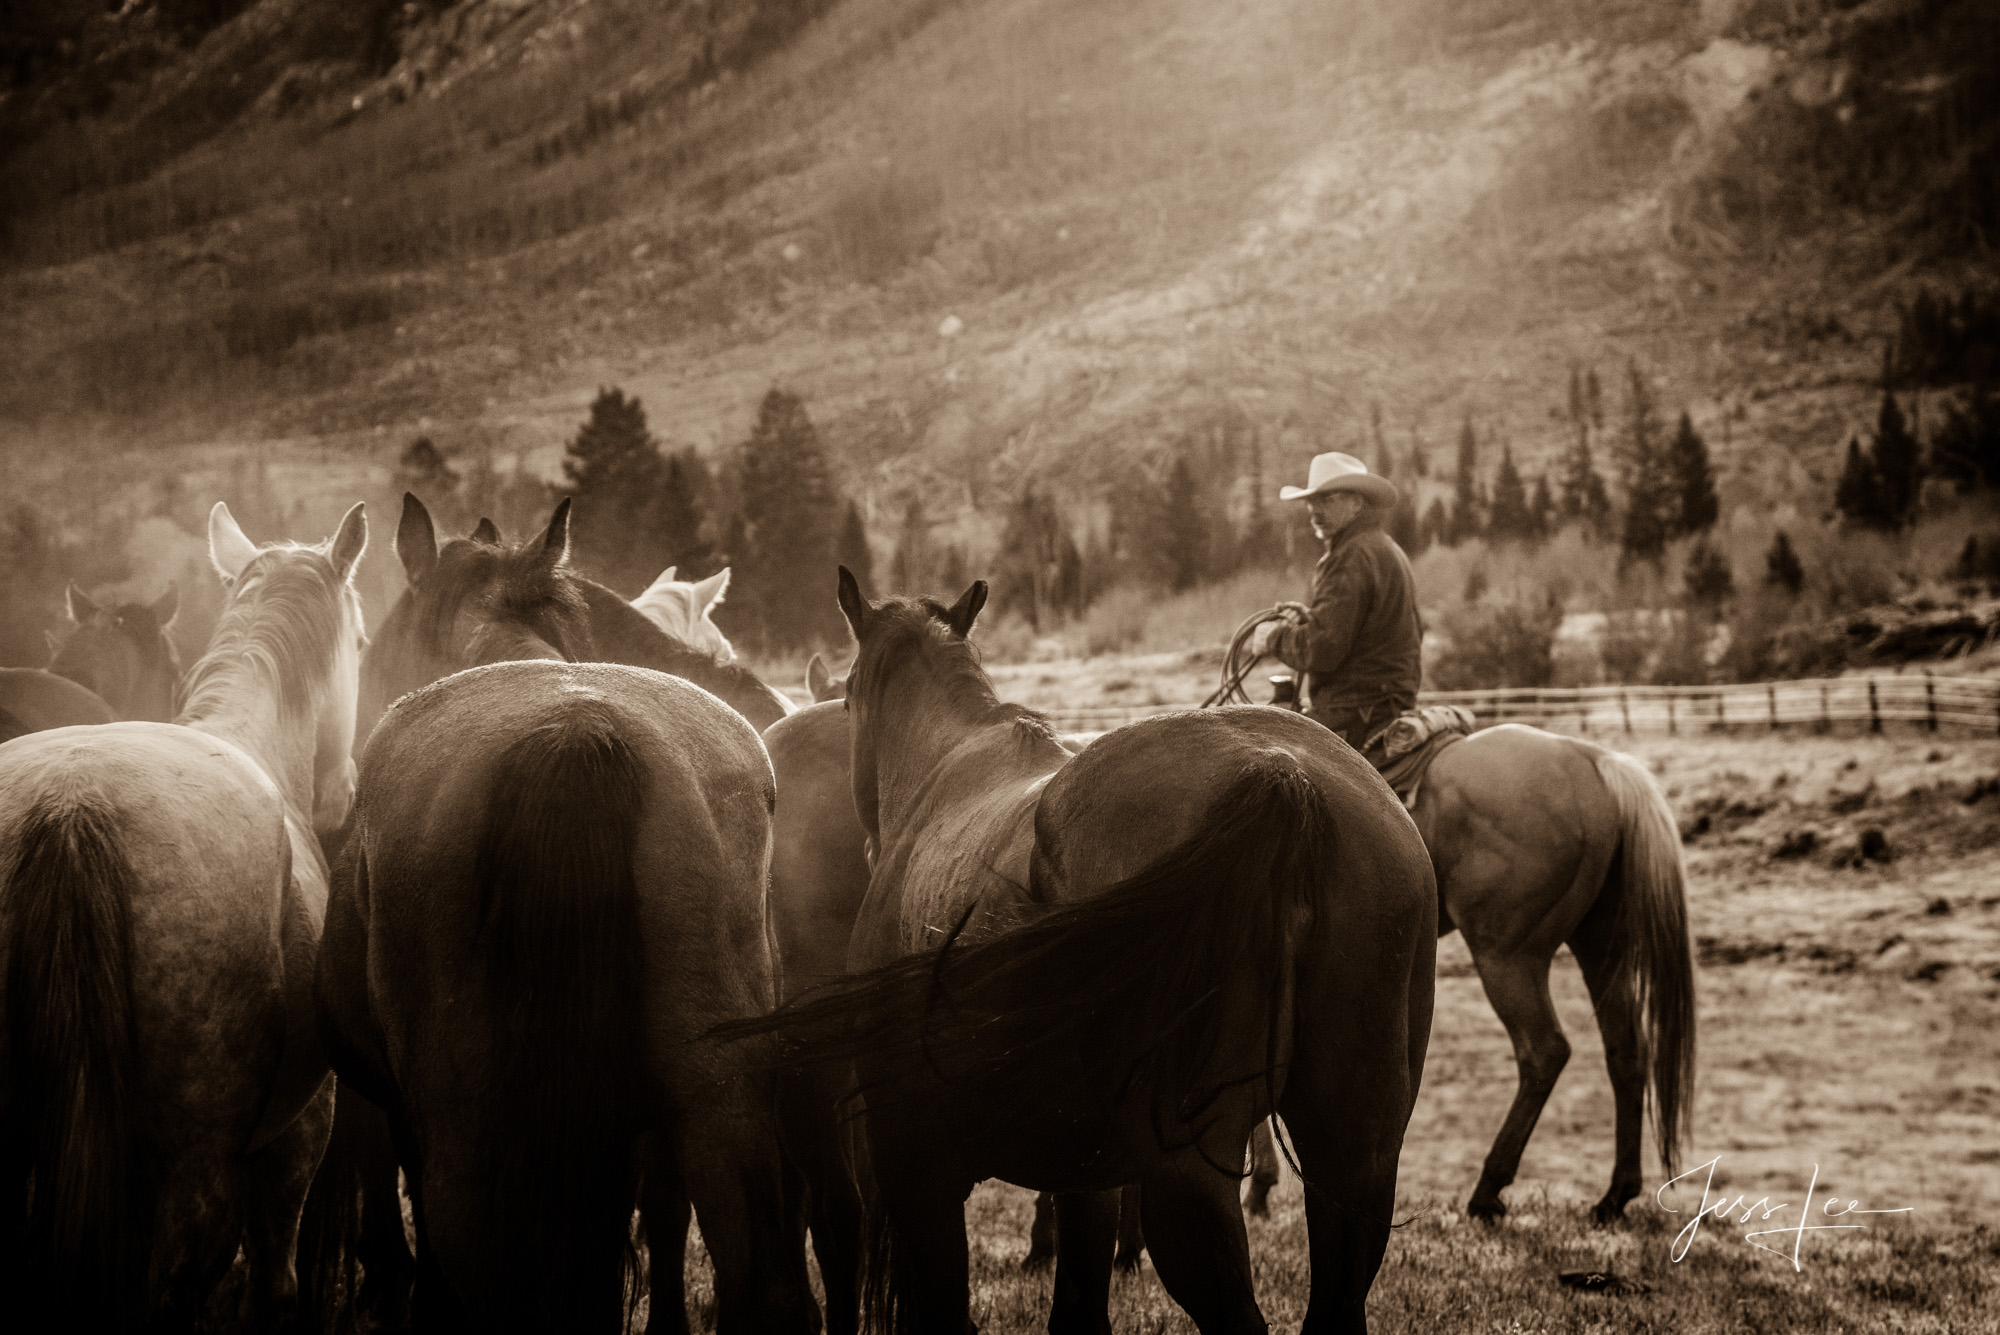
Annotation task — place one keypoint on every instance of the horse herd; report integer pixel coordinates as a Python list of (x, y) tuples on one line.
[(541, 901)]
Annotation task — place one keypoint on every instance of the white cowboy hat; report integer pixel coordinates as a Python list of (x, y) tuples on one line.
[(1342, 472)]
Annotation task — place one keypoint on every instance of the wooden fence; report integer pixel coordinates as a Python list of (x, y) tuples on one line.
[(1927, 701)]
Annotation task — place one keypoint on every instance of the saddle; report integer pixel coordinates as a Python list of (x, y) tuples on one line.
[(1406, 745)]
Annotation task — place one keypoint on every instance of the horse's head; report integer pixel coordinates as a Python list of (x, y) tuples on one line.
[(682, 609), (122, 652), (473, 601), (821, 683), (292, 614), (908, 646)]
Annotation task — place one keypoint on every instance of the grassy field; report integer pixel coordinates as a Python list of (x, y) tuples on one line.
[(1850, 1019)]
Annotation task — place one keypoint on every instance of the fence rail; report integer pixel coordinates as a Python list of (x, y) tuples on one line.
[(1928, 701)]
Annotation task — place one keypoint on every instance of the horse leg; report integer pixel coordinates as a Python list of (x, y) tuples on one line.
[(1131, 1238), (1598, 952), (735, 1179), (1518, 988), (930, 1273), (1194, 1229), (837, 1225), (663, 1203), (1263, 1170), (434, 1304), (1042, 1233), (1086, 1232), (280, 1175), (387, 1269)]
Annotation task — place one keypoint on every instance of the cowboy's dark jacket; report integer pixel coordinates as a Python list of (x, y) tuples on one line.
[(1363, 641)]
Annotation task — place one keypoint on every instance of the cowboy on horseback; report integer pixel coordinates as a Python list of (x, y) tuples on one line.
[(1359, 644)]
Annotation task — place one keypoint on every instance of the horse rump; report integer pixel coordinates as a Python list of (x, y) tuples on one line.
[(1138, 987), (558, 933), (73, 1068)]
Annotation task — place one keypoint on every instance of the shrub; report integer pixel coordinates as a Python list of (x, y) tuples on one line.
[(1498, 644)]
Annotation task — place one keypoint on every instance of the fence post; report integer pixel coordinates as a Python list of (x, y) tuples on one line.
[(1874, 709), (1825, 710), (1625, 709), (1930, 700), (1671, 729), (1771, 690)]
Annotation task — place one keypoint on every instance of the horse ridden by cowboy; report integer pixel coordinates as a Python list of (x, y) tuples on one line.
[(1359, 646)]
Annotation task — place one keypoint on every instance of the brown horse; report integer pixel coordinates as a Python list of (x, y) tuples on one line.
[(163, 1094), (1538, 841), (472, 601), (1090, 969), (32, 700), (123, 653), (551, 889)]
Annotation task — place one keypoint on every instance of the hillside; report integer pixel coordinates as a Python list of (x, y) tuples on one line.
[(984, 241)]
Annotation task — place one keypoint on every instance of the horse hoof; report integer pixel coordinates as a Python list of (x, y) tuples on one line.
[(1037, 1261), (1259, 1207), (1487, 1212), (1608, 1211), (1127, 1264)]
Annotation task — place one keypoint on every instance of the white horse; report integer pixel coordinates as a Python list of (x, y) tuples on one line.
[(162, 892), (682, 610)]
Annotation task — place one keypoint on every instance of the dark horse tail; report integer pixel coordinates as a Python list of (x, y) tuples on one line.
[(1654, 942), (74, 1071), (1173, 985), (559, 938)]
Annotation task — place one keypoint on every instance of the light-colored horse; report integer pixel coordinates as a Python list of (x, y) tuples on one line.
[(162, 1081), (122, 652), (682, 609)]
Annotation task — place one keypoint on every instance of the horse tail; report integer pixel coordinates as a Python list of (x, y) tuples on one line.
[(74, 1064), (1139, 989), (1655, 943), (330, 1227), (559, 933)]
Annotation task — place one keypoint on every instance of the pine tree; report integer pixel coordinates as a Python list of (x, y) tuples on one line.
[(1420, 464), (423, 469), (1405, 525), (851, 549), (1696, 506), (909, 568), (1542, 509), (613, 470), (1468, 518), (790, 512), (1029, 572), (1781, 565), (1898, 464), (1509, 518), (1584, 499), (680, 515), (1965, 447), (1707, 577), (1177, 540), (1643, 467), (1858, 494), (1437, 525)]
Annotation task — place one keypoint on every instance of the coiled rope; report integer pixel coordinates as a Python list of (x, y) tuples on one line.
[(1237, 661)]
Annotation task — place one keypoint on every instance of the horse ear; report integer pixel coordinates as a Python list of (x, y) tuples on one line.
[(487, 532), (81, 608), (167, 606), (228, 548), (416, 541), (556, 540), (817, 677), (852, 604), (708, 592), (966, 609), (352, 539)]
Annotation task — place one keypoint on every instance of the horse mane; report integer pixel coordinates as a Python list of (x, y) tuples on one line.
[(900, 627), (282, 623), (525, 587)]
